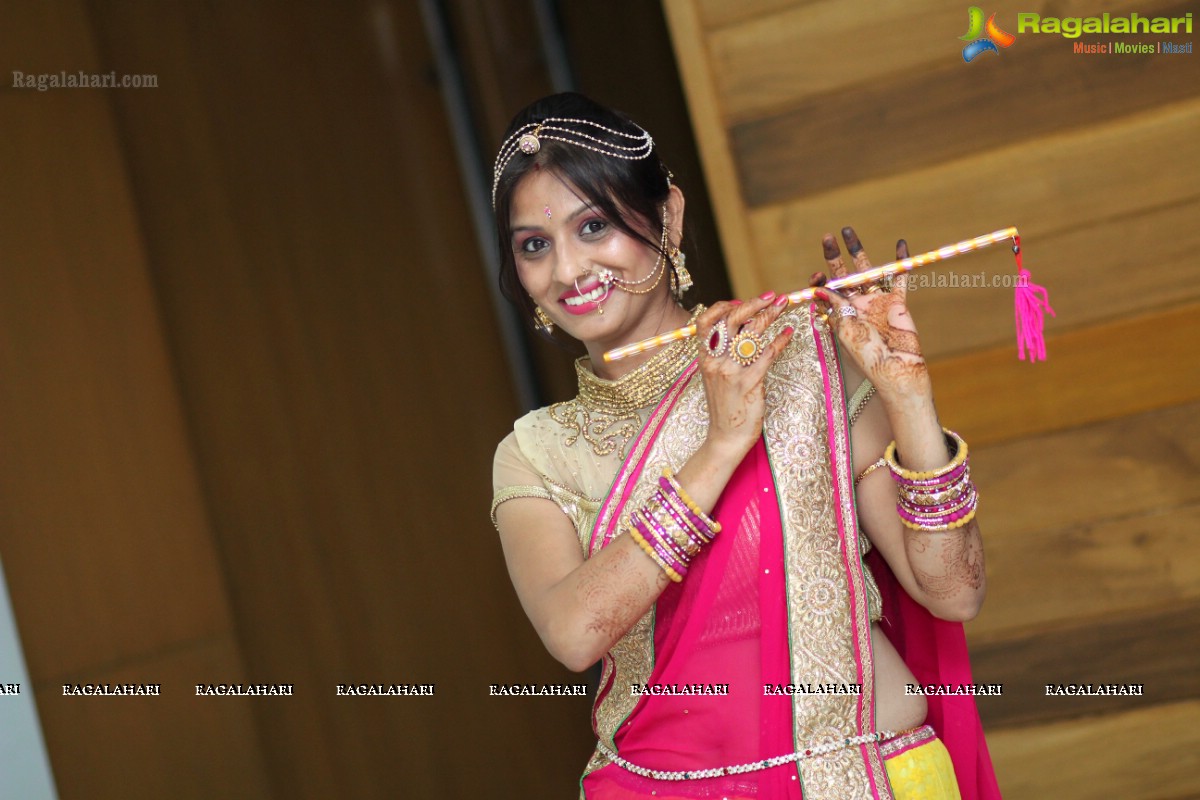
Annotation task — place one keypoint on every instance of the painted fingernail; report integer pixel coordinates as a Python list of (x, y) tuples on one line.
[(852, 242), (782, 300), (735, 302), (820, 294), (766, 295), (788, 331)]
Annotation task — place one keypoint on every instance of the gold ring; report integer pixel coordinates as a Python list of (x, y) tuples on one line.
[(718, 340), (747, 347)]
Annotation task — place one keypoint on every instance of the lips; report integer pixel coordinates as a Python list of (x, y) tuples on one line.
[(584, 299)]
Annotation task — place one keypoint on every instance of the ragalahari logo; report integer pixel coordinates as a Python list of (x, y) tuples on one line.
[(983, 38)]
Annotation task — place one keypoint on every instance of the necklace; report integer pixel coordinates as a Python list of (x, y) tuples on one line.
[(605, 413)]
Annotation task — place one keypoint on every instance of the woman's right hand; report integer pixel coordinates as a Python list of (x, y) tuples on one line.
[(734, 388)]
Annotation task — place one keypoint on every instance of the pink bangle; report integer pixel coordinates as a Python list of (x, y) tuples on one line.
[(651, 551), (702, 521)]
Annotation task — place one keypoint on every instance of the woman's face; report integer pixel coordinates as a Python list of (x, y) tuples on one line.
[(561, 245)]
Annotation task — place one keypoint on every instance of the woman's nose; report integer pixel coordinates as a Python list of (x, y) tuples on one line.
[(569, 264)]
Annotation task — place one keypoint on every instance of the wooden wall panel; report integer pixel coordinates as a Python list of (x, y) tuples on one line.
[(1007, 187), (1144, 753), (993, 397), (1090, 521), (974, 114), (106, 539), (767, 63), (815, 115)]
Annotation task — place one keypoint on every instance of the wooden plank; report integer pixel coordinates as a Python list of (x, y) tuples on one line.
[(767, 64), (948, 112), (708, 123), (1051, 577), (716, 14), (1088, 270), (1146, 754), (1090, 475), (1100, 373), (1046, 188), (1142, 649)]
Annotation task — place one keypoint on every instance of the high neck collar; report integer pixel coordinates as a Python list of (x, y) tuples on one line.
[(641, 387)]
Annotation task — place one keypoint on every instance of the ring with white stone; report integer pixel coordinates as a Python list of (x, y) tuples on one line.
[(848, 311)]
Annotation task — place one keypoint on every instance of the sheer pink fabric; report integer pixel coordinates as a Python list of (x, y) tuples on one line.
[(725, 624)]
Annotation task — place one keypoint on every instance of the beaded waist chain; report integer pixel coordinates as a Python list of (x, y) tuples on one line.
[(752, 766)]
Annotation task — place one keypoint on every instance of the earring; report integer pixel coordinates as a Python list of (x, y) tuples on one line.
[(681, 279), (541, 321)]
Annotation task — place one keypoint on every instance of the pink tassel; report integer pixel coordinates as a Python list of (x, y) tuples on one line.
[(1032, 303)]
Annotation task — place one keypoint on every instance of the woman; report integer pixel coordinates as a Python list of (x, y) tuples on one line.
[(691, 519)]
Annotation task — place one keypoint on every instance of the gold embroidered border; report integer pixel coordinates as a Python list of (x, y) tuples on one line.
[(852, 552), (922, 735), (821, 625), (513, 492), (633, 654)]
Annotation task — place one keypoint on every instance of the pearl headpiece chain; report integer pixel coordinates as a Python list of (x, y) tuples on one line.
[(527, 140)]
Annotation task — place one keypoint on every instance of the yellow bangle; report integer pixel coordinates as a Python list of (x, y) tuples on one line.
[(649, 550), (695, 509), (960, 455)]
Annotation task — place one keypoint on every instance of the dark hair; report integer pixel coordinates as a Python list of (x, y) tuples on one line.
[(629, 193)]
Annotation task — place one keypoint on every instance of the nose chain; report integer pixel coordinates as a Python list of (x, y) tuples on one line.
[(607, 279)]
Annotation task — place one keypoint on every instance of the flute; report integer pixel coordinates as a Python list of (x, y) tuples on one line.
[(849, 282)]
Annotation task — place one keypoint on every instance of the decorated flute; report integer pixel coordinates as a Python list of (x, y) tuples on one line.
[(887, 271)]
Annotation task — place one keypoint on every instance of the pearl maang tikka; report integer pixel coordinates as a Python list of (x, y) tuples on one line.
[(528, 140)]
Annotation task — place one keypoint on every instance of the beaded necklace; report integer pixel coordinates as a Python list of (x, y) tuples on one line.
[(605, 414)]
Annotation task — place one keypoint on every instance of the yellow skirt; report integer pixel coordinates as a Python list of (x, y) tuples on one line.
[(919, 767)]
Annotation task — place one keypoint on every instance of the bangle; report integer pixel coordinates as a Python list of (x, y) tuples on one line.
[(650, 551), (684, 534), (957, 461), (683, 515), (702, 520), (941, 513), (882, 462), (952, 521), (671, 529), (920, 497), (656, 527), (935, 500)]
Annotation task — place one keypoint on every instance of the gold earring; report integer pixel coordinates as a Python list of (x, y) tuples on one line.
[(681, 278), (542, 322)]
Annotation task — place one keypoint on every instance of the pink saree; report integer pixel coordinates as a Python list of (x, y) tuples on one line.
[(779, 599)]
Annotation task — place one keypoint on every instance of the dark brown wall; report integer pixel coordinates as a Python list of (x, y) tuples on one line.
[(251, 390)]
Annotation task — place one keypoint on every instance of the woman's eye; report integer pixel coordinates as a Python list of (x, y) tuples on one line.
[(593, 226), (534, 244)]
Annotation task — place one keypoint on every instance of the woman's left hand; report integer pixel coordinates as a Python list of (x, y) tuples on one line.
[(873, 324)]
